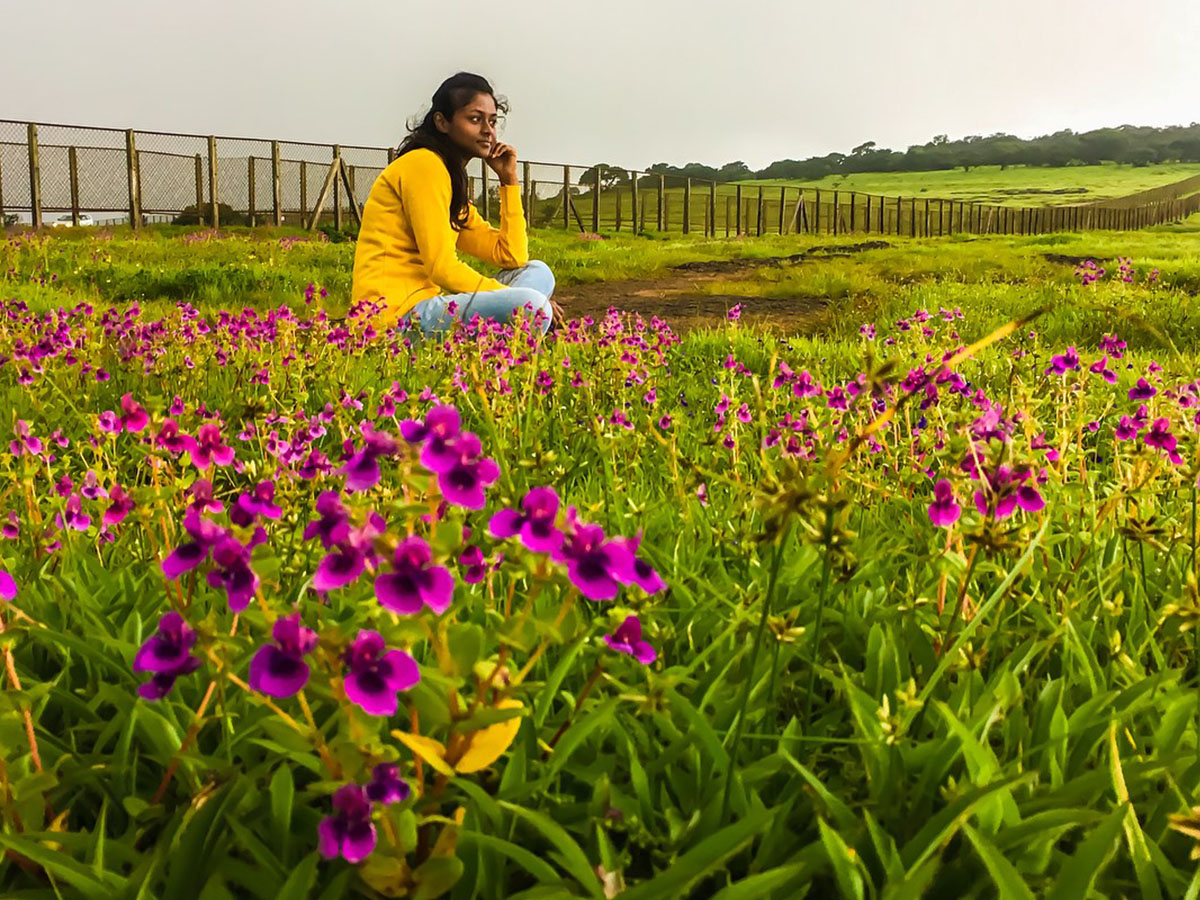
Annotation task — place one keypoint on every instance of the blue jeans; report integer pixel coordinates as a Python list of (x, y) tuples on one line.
[(530, 288)]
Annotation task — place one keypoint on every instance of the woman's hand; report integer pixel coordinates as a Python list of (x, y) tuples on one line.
[(502, 159)]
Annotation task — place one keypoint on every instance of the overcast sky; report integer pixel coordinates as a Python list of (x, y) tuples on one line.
[(629, 83)]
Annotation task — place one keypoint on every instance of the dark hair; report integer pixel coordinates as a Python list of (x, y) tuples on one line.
[(454, 93)]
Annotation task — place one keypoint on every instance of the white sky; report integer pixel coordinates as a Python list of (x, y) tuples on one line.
[(629, 83)]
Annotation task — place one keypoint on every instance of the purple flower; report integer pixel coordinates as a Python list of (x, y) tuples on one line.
[(628, 639), (8, 586), (1160, 436), (735, 312), (413, 582), (259, 502), (437, 434), (638, 571), (208, 447), (362, 469), (167, 654), (1064, 363), (1008, 492), (26, 442), (943, 511), (1143, 390), (73, 516), (463, 482), (233, 572), (333, 524), (595, 565), (472, 564), (349, 832), (133, 416), (535, 525), (376, 674), (170, 438), (187, 556), (386, 786), (279, 669), (340, 567), (1127, 429), (120, 505)]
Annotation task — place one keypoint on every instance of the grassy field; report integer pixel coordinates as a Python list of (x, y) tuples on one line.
[(902, 604), (1013, 186)]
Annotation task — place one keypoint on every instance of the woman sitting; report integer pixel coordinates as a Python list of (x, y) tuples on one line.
[(418, 213)]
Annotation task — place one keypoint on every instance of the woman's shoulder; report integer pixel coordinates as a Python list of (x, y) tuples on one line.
[(422, 160)]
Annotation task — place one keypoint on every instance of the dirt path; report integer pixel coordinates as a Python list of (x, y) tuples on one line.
[(679, 298)]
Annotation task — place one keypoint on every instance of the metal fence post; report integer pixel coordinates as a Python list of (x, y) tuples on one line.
[(250, 190), (566, 204), (596, 203), (633, 179), (199, 190), (687, 205), (662, 197), (134, 179), (73, 176), (35, 177), (213, 202), (276, 185), (337, 189)]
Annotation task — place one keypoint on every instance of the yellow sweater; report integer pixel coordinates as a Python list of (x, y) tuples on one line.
[(406, 245)]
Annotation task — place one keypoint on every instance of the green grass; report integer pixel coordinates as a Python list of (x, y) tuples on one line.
[(1013, 186)]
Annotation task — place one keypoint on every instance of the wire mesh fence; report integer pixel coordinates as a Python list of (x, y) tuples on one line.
[(63, 174)]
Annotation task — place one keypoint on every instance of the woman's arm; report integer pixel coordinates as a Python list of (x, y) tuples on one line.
[(506, 246), (425, 193)]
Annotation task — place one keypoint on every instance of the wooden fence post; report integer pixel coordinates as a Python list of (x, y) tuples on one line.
[(250, 190), (737, 201), (636, 223), (782, 204), (133, 172), (816, 222), (687, 205), (662, 196), (566, 204), (73, 177), (35, 176), (853, 205), (712, 207), (596, 203), (617, 227), (666, 211), (758, 214), (867, 216), (337, 192), (728, 213), (303, 192), (276, 185), (213, 195), (199, 190), (837, 212)]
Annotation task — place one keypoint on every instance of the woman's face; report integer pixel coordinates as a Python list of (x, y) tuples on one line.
[(474, 126)]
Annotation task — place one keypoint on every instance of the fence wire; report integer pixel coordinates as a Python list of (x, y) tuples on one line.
[(111, 173)]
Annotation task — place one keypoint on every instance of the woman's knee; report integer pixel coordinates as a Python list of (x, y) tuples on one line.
[(535, 306), (544, 275)]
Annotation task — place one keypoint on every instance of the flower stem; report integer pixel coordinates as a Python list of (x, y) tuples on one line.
[(587, 689), (826, 564)]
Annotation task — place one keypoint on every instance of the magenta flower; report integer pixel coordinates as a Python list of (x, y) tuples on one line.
[(462, 483), (340, 567), (362, 469), (1127, 429), (233, 571), (187, 556), (628, 639), (133, 416), (386, 786), (170, 438), (377, 674), (208, 447), (1007, 491), (333, 523), (349, 832), (413, 582), (120, 505), (279, 669), (436, 435), (73, 516), (535, 526), (943, 511), (1143, 390), (595, 565), (167, 654), (1064, 363), (25, 442), (259, 502), (8, 586), (1160, 436), (638, 571)]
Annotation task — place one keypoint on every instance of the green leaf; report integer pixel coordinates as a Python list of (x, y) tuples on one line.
[(61, 866), (574, 859), (530, 862), (283, 792), (299, 883), (845, 866), (702, 860), (1079, 871), (1009, 883)]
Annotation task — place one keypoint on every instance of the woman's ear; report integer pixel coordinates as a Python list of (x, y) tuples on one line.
[(440, 123)]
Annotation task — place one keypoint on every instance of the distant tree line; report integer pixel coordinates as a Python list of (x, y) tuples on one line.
[(1129, 144)]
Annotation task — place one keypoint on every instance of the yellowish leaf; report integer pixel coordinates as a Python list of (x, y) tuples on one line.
[(427, 748), (488, 744)]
